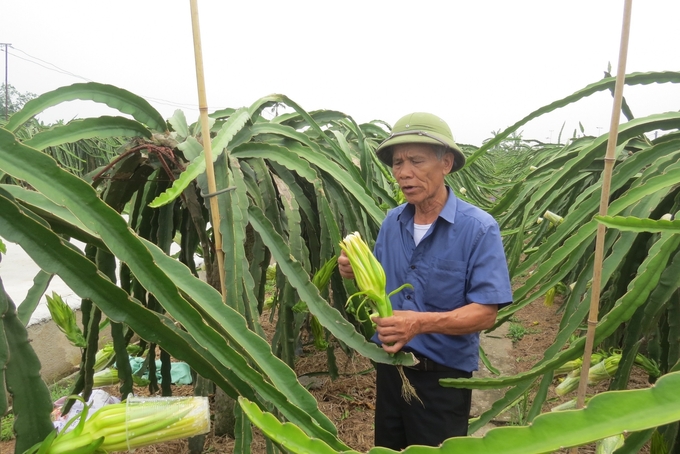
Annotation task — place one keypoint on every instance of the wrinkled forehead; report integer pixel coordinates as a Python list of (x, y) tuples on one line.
[(404, 150)]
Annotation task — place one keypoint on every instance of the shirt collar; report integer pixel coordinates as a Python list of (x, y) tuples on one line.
[(448, 212)]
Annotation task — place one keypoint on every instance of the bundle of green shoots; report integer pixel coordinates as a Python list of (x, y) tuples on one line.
[(135, 423), (370, 277), (610, 444), (649, 366), (109, 377), (604, 370), (573, 377), (604, 367), (607, 368), (568, 405), (106, 354), (555, 219), (569, 383)]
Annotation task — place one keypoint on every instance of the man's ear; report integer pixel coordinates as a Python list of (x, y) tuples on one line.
[(448, 162)]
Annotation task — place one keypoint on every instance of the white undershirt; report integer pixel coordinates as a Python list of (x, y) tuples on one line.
[(419, 231)]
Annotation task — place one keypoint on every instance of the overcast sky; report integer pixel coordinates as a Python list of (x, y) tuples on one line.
[(480, 65)]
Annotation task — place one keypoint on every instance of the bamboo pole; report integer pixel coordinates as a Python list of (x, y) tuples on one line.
[(207, 145), (604, 203)]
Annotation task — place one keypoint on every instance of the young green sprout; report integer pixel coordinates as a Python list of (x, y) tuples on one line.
[(320, 280), (65, 319)]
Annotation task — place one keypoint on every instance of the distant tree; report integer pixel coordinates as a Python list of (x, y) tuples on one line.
[(16, 99)]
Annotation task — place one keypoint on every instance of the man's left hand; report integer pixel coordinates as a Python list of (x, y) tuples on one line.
[(395, 331)]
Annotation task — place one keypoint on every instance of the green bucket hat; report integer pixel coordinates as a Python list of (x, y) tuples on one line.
[(421, 127)]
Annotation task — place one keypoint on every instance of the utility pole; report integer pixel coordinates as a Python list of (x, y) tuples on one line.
[(6, 85)]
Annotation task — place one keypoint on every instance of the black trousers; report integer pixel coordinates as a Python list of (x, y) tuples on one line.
[(442, 414)]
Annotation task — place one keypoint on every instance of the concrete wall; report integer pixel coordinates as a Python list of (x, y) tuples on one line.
[(58, 357)]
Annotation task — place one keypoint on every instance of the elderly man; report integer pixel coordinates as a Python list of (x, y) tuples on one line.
[(451, 252)]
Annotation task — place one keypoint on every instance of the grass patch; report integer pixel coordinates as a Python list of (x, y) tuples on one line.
[(6, 428), (517, 331), (60, 389), (270, 284)]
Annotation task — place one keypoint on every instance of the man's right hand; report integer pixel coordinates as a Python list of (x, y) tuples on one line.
[(344, 266)]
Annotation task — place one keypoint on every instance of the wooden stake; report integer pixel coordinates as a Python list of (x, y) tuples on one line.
[(207, 145), (604, 205)]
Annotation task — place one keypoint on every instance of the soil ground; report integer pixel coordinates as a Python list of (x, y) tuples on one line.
[(349, 401), (541, 325)]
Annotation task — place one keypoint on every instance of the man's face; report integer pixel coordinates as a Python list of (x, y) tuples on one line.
[(418, 171)]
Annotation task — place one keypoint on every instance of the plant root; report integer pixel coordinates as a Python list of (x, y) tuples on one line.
[(408, 392)]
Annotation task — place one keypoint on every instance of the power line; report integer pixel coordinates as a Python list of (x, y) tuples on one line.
[(51, 64), (173, 104), (60, 70), (51, 69)]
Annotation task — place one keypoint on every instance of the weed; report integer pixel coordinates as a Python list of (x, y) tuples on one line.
[(521, 414), (518, 410), (60, 389), (530, 358), (516, 332), (6, 428), (270, 283), (271, 272)]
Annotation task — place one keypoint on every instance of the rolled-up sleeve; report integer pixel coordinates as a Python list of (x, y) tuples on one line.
[(488, 278)]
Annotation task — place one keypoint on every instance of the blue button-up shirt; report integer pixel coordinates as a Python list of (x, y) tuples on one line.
[(459, 261)]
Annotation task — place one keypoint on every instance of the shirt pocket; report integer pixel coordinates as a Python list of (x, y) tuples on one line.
[(445, 285)]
